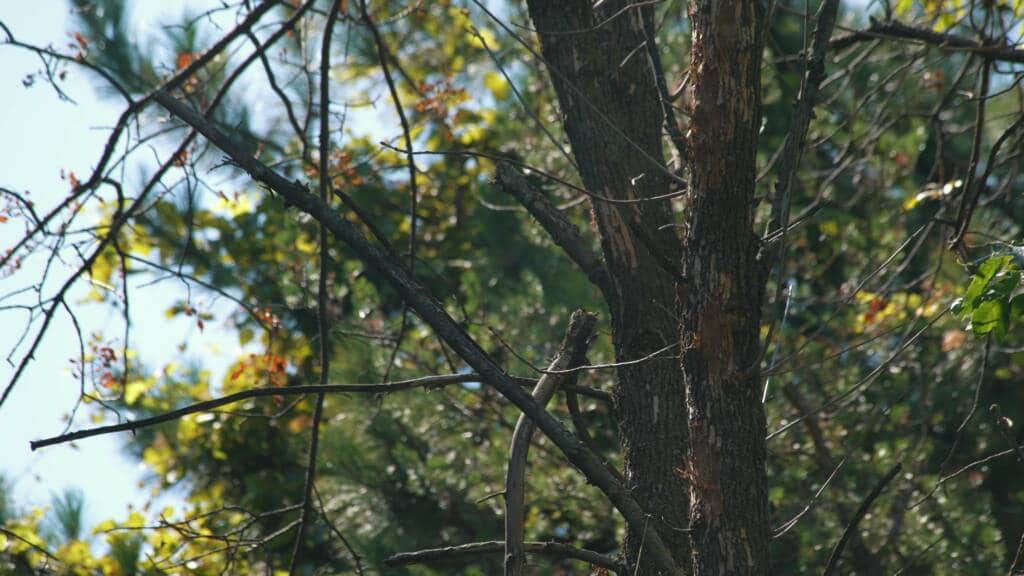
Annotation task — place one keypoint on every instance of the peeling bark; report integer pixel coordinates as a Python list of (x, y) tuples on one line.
[(721, 296)]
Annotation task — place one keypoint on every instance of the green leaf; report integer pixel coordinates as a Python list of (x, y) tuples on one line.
[(990, 316), (989, 268)]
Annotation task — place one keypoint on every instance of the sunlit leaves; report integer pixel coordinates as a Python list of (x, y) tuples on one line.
[(497, 85), (992, 302)]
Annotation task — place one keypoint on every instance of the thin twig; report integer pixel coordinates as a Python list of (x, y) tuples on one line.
[(322, 312), (476, 549), (427, 382), (895, 30)]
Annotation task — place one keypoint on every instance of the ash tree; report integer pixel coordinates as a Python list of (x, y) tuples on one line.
[(546, 287)]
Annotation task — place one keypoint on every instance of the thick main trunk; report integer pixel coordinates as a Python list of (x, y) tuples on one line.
[(612, 115), (721, 295)]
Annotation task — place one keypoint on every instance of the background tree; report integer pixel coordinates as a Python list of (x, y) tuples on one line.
[(803, 256)]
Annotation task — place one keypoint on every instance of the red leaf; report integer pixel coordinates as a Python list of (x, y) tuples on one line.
[(184, 59)]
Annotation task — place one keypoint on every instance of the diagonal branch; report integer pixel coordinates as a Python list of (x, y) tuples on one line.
[(796, 140), (851, 528), (972, 189), (564, 233), (427, 382), (431, 311), (572, 353), (895, 30)]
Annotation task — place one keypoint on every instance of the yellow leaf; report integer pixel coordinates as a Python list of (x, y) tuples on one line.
[(486, 36), (135, 389), (305, 244), (135, 520), (497, 84), (105, 526), (237, 207)]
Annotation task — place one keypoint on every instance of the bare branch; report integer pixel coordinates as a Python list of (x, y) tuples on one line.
[(433, 313), (322, 313), (793, 150), (895, 30), (564, 233), (469, 551), (428, 382), (571, 353), (833, 559), (134, 108)]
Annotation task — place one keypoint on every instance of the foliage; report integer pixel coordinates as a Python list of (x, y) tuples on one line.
[(862, 334)]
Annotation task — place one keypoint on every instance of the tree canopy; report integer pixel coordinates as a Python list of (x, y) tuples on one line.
[(747, 276)]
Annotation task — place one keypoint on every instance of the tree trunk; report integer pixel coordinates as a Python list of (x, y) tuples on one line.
[(612, 115), (721, 295)]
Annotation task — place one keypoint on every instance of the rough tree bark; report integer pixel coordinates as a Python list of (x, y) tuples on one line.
[(715, 491), (722, 293), (612, 115)]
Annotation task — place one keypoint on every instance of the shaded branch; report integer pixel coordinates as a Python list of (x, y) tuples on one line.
[(571, 353), (322, 313), (833, 559), (563, 232), (865, 561), (428, 382), (664, 96), (895, 30), (572, 402), (794, 147), (972, 189), (468, 551)]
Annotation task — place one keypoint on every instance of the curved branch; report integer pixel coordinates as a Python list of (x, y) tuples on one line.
[(571, 353), (833, 559)]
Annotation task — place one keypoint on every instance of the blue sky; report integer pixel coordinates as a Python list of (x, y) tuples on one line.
[(42, 136)]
